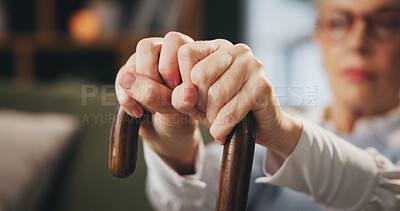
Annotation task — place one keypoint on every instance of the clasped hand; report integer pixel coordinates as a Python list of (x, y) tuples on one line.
[(183, 82)]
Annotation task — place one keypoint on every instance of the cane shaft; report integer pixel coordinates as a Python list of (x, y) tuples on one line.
[(237, 162)]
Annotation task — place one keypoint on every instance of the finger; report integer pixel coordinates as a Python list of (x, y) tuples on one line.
[(229, 115), (184, 99), (207, 72), (124, 82), (254, 92), (168, 64), (190, 54), (151, 94), (147, 58), (202, 63), (227, 85), (130, 66)]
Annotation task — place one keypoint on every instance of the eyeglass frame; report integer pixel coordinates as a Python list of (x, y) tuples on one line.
[(369, 22)]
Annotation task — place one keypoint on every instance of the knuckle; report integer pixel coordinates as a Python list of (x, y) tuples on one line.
[(146, 94), (166, 71), (243, 48), (224, 60), (174, 37), (244, 64), (198, 76), (263, 83), (223, 42), (215, 95), (258, 65), (240, 49), (238, 73), (185, 52), (229, 115), (263, 89), (146, 46), (253, 63), (151, 95)]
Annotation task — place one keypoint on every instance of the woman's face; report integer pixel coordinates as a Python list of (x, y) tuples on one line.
[(360, 41)]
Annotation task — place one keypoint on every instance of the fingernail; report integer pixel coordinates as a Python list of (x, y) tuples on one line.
[(170, 84), (127, 81), (136, 112), (219, 141)]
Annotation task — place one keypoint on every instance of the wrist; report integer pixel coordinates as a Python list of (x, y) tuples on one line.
[(286, 139), (174, 128), (179, 155)]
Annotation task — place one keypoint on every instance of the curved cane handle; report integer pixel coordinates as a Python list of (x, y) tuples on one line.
[(123, 143)]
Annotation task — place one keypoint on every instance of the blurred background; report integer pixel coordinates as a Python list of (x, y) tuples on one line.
[(58, 61)]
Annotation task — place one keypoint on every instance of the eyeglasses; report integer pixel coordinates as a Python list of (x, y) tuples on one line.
[(382, 26)]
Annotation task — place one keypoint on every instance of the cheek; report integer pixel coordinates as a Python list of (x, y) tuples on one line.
[(387, 60), (331, 61), (330, 55)]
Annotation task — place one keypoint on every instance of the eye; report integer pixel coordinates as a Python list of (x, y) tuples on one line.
[(388, 21), (335, 24), (388, 24), (337, 21)]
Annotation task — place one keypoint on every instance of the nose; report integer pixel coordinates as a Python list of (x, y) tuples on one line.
[(358, 38)]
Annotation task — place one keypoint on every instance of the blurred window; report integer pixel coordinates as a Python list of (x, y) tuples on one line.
[(280, 34)]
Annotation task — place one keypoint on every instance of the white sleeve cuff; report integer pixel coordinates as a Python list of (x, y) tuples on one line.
[(170, 187), (386, 195), (329, 169)]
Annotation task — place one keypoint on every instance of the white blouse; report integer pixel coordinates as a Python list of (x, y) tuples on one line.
[(324, 172)]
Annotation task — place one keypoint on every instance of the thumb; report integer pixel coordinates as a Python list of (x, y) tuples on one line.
[(184, 99)]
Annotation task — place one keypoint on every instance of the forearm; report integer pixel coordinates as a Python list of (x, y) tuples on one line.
[(180, 155), (327, 168)]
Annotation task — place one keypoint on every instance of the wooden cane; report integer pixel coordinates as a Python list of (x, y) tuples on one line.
[(237, 160)]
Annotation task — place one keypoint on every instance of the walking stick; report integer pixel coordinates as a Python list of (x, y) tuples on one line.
[(236, 163)]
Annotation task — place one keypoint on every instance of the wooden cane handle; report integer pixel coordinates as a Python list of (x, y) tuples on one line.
[(123, 143), (236, 165), (237, 160)]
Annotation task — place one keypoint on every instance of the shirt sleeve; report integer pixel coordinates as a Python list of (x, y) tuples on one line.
[(335, 173), (167, 190)]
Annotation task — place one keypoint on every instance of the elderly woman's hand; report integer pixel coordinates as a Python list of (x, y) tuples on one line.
[(222, 82), (146, 82)]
